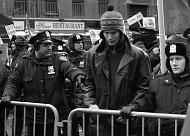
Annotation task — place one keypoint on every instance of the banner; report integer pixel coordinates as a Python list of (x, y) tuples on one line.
[(176, 16), (10, 30), (136, 18)]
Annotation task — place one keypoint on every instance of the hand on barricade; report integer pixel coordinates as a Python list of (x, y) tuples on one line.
[(6, 100), (126, 111), (94, 107)]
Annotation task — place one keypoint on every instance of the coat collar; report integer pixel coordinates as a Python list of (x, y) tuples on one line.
[(169, 80), (101, 53), (45, 62)]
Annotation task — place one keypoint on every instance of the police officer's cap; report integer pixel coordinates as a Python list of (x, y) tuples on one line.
[(19, 40), (77, 37), (42, 37), (57, 41), (176, 48), (59, 46)]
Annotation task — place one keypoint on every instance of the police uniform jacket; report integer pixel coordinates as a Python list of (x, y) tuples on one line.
[(131, 78), (169, 97), (17, 56), (43, 82)]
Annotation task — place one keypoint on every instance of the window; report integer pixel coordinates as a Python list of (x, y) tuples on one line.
[(20, 7), (78, 8), (51, 9), (102, 5), (134, 9)]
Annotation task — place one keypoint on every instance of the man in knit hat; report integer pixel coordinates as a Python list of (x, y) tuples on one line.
[(170, 91), (117, 75)]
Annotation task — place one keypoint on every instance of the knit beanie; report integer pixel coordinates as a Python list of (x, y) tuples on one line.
[(111, 20)]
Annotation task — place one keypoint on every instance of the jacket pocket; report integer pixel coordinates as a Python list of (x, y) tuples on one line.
[(29, 83)]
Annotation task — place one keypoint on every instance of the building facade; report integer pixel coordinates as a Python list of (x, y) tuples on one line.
[(84, 13)]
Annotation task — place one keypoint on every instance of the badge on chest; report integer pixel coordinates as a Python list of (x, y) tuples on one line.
[(51, 70)]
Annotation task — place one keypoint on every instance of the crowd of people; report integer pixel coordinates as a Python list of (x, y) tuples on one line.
[(115, 74)]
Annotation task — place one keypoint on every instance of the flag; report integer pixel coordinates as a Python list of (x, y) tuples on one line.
[(176, 16)]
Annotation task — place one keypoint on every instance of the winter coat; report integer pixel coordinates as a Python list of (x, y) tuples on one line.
[(131, 79), (168, 97), (16, 57), (3, 77), (131, 83), (42, 82)]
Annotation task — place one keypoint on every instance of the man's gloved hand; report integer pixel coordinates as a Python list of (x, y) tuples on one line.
[(125, 114), (5, 100), (79, 80), (126, 111)]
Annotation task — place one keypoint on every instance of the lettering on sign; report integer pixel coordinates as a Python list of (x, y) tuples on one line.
[(42, 25), (137, 17)]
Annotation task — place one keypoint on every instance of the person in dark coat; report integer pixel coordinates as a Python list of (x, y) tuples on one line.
[(42, 75), (117, 75), (77, 51), (3, 79), (19, 45), (77, 56), (60, 48), (146, 39), (170, 91)]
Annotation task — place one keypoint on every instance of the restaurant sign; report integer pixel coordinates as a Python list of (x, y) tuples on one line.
[(48, 25)]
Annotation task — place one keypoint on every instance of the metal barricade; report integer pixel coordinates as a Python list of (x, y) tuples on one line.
[(113, 113), (25, 105)]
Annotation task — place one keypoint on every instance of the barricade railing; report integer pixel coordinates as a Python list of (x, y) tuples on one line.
[(25, 105), (113, 113)]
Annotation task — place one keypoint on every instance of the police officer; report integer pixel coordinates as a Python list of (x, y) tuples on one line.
[(170, 91), (77, 52), (19, 46), (41, 75), (77, 56)]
